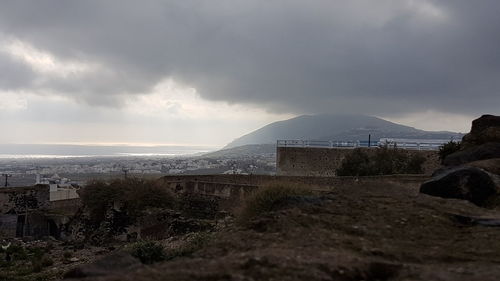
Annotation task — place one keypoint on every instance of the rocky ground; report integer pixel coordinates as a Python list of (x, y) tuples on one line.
[(379, 232)]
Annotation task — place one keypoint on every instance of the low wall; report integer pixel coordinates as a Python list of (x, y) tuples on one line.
[(229, 195), (259, 180), (68, 207), (63, 194), (232, 189), (304, 161)]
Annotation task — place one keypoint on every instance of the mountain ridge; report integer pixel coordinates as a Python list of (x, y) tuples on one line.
[(340, 127)]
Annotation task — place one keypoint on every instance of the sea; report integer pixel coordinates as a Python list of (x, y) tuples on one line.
[(19, 151)]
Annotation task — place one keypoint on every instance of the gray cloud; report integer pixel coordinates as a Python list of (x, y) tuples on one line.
[(13, 75), (376, 57)]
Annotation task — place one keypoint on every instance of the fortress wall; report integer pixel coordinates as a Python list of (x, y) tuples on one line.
[(230, 190), (304, 161)]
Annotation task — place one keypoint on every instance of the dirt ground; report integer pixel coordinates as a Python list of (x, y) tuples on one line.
[(381, 231)]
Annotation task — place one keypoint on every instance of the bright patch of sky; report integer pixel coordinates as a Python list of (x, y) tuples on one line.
[(170, 115)]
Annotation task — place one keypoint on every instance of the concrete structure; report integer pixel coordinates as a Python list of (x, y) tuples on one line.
[(323, 162), (30, 211), (60, 188), (20, 207)]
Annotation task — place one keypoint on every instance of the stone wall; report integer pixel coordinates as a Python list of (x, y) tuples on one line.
[(305, 161), (232, 189), (227, 194), (17, 199)]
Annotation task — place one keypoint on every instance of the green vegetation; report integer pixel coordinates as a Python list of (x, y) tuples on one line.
[(448, 148), (148, 252), (269, 198), (195, 243), (25, 264), (383, 161), (132, 195), (67, 255)]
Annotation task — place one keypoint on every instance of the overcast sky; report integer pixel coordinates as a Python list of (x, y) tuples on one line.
[(205, 72)]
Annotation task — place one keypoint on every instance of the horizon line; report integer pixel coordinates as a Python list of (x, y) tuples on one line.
[(104, 144)]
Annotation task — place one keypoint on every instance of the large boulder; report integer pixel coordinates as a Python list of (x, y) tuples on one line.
[(468, 183), (480, 152), (484, 129), (484, 122), (490, 165)]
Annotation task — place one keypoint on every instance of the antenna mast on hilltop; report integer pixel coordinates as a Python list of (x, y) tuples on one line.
[(7, 176)]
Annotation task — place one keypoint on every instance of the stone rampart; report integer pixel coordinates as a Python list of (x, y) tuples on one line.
[(323, 162), (232, 189)]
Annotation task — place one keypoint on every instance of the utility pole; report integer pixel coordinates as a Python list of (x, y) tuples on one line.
[(6, 176), (125, 173), (25, 225)]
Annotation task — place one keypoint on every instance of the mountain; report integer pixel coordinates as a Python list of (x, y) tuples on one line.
[(339, 127), (243, 151)]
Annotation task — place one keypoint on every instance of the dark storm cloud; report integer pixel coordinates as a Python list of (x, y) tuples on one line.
[(374, 57)]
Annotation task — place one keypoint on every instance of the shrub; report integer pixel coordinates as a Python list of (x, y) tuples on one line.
[(47, 261), (36, 252), (17, 252), (447, 149), (197, 241), (269, 198), (414, 164), (148, 252), (382, 161), (36, 266), (39, 263), (357, 163), (67, 255), (135, 195)]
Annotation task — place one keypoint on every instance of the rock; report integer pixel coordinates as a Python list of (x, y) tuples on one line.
[(470, 220), (117, 262), (490, 165), (484, 122), (484, 129), (481, 152), (469, 183)]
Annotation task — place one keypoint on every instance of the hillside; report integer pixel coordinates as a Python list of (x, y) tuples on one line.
[(335, 127), (243, 151), (372, 230)]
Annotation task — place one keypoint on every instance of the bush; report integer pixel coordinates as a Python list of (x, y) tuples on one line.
[(269, 198), (47, 261), (357, 163), (39, 263), (17, 252), (197, 241), (67, 255), (135, 195), (447, 149), (148, 252), (383, 161)]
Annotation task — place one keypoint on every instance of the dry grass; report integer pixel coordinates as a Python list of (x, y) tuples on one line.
[(270, 197)]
